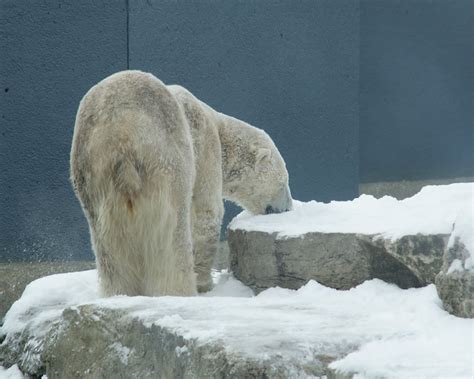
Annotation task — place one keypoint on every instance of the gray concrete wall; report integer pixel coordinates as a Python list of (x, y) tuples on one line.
[(416, 90), (52, 52)]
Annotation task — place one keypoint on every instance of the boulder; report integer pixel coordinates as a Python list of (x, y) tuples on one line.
[(343, 243), (106, 343), (455, 282), (168, 337), (262, 259)]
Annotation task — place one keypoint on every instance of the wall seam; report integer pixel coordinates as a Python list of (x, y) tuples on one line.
[(127, 4)]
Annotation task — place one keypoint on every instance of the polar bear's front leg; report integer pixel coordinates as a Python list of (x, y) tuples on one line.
[(206, 230)]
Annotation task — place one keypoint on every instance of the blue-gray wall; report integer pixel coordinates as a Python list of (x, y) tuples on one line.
[(290, 67), (52, 52), (416, 89)]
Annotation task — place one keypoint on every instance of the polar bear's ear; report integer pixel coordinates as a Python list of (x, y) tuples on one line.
[(263, 153)]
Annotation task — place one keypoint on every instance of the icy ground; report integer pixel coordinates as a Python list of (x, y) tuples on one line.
[(397, 333)]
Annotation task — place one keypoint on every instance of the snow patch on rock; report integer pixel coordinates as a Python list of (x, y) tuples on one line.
[(434, 210)]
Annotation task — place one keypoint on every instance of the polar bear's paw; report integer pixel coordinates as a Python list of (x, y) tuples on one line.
[(204, 283)]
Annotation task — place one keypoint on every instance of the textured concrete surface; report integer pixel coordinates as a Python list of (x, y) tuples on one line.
[(14, 277), (336, 260)]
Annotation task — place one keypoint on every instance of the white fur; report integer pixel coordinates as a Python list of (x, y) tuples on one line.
[(150, 165)]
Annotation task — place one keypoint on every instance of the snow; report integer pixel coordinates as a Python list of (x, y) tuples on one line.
[(10, 373), (122, 351), (456, 265), (433, 210), (375, 329), (226, 285), (464, 231), (181, 350), (71, 290)]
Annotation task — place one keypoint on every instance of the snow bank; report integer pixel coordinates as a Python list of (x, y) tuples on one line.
[(388, 332), (432, 211), (10, 373)]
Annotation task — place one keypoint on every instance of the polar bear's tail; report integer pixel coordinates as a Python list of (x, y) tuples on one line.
[(127, 180), (135, 236)]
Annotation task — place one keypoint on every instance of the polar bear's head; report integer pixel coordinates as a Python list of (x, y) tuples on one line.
[(254, 172)]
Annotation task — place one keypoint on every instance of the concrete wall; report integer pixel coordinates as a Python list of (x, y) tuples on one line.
[(52, 52), (416, 90)]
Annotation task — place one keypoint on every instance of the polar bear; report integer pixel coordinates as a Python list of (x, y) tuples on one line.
[(151, 165)]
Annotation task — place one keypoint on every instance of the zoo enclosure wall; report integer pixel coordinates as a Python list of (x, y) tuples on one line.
[(351, 91)]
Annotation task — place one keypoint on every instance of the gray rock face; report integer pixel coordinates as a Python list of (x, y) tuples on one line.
[(108, 343), (456, 287), (338, 260)]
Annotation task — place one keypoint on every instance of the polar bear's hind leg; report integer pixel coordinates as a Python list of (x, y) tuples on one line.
[(134, 237)]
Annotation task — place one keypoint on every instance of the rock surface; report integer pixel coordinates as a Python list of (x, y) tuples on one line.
[(455, 284), (141, 337), (107, 343), (338, 260)]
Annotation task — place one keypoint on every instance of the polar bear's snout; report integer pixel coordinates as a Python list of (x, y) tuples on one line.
[(282, 202)]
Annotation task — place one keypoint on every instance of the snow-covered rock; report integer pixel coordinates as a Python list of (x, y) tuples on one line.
[(14, 277), (455, 283), (343, 243), (59, 327)]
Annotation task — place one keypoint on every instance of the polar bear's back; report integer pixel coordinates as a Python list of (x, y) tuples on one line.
[(132, 167), (130, 115), (133, 106)]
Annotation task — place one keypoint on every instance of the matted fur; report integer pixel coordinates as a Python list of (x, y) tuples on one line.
[(150, 165)]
